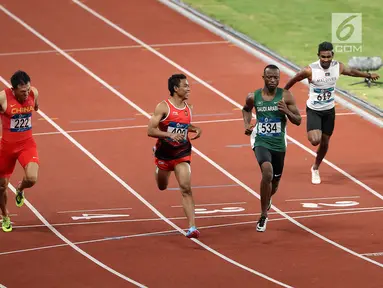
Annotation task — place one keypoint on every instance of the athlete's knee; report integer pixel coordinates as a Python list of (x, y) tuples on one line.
[(267, 172), (314, 139), (185, 189), (31, 179)]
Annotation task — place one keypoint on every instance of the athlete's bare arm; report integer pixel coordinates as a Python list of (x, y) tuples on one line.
[(288, 106), (159, 113), (344, 70), (3, 101), (193, 128), (36, 93), (246, 113), (303, 74)]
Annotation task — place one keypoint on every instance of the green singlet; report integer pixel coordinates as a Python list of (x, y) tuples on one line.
[(270, 130)]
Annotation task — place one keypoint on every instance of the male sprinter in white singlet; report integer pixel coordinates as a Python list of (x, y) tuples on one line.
[(320, 107)]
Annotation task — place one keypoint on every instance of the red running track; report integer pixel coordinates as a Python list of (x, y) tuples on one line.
[(128, 236)]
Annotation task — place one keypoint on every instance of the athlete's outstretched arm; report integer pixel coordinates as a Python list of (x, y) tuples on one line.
[(159, 113), (356, 73), (303, 74), (246, 113), (36, 93), (289, 107)]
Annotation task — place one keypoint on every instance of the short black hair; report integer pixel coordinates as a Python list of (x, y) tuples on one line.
[(173, 81), (270, 66), (19, 78), (325, 46)]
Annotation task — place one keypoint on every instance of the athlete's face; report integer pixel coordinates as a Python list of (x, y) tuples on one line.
[(22, 92), (183, 90), (271, 78), (325, 58)]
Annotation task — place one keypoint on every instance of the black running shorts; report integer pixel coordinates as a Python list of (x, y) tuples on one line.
[(321, 120), (277, 159)]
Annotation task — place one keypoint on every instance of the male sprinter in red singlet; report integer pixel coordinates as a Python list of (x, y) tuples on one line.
[(171, 123), (17, 143)]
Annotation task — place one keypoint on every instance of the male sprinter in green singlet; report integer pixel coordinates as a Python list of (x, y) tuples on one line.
[(268, 137)]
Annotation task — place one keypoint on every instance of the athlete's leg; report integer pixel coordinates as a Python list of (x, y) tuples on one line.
[(328, 125), (30, 178), (162, 178), (29, 160), (7, 165), (3, 196), (264, 159), (162, 173), (183, 174), (322, 151), (314, 126), (278, 162), (6, 224)]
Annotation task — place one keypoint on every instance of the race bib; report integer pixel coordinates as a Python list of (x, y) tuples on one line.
[(21, 122), (269, 127), (324, 95), (179, 128)]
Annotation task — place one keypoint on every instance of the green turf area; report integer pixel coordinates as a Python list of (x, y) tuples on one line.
[(294, 29)]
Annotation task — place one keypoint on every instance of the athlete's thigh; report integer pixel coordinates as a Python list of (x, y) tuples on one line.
[(328, 122), (182, 171), (8, 160), (262, 154), (314, 120), (28, 154), (162, 173)]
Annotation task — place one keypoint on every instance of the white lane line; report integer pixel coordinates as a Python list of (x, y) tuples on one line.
[(113, 48), (325, 198), (95, 210), (212, 204), (144, 126)]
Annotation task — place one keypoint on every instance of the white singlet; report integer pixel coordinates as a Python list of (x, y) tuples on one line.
[(322, 86)]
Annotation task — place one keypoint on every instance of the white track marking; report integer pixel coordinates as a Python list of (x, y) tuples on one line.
[(373, 254), (71, 244), (265, 58), (175, 231), (218, 167), (228, 99), (326, 198), (95, 210), (117, 93), (212, 204), (112, 48)]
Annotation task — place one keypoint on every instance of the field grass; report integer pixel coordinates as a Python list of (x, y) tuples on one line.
[(294, 29)]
